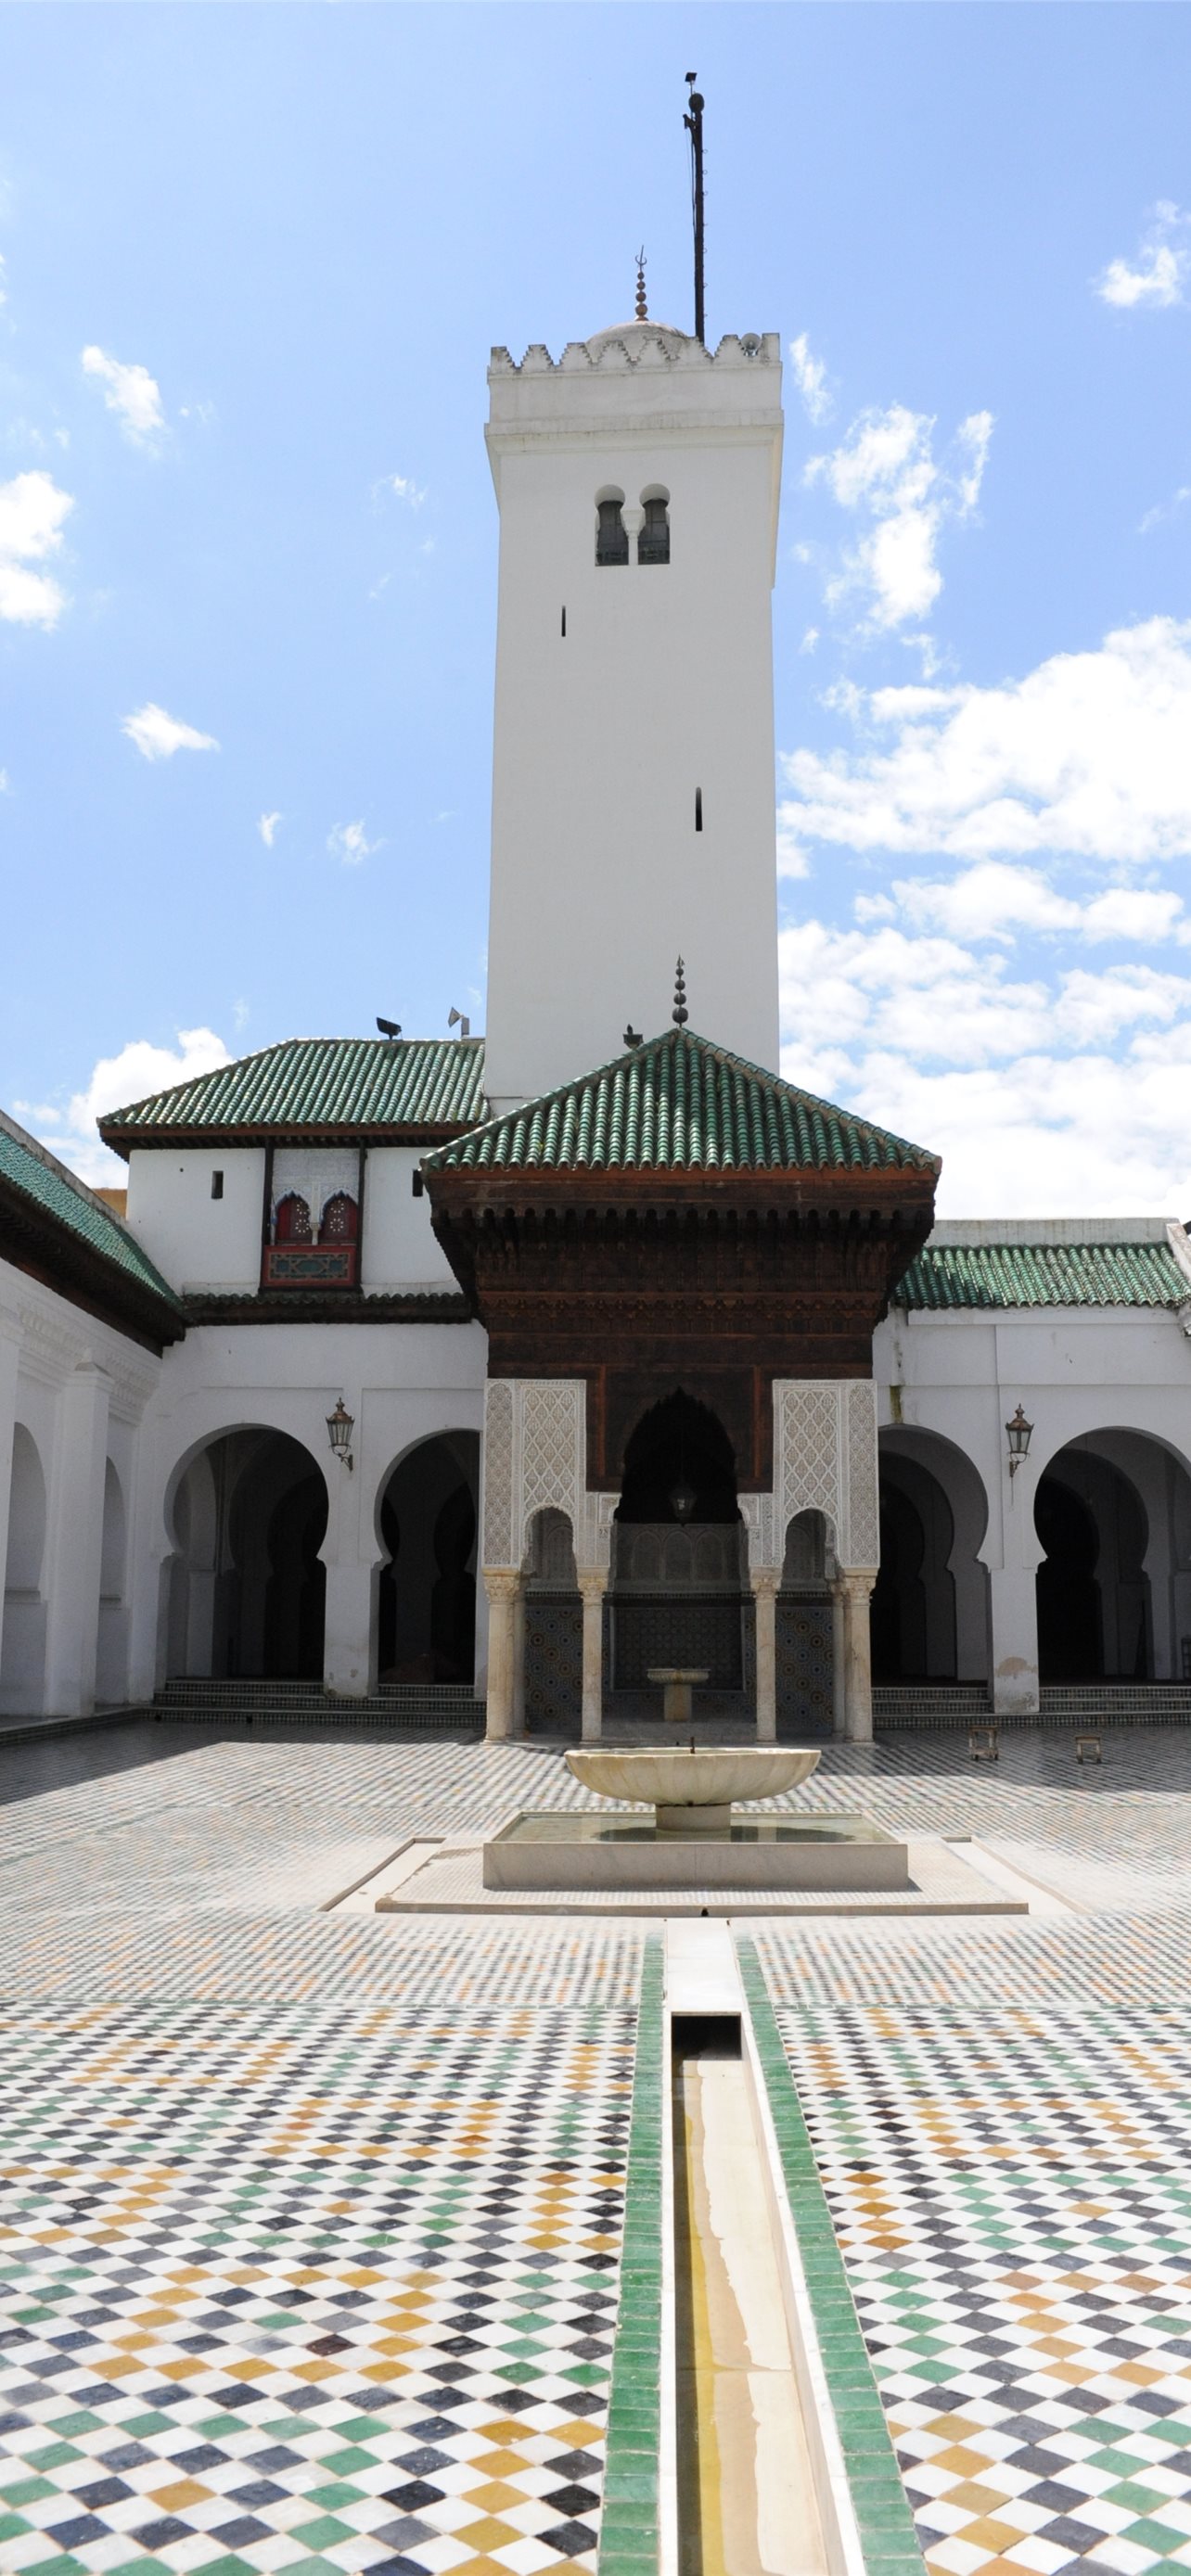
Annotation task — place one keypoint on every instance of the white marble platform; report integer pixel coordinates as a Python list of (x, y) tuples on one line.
[(941, 1882)]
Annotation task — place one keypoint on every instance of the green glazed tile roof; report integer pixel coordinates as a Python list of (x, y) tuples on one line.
[(949, 1275), (57, 1194), (321, 1082), (680, 1104)]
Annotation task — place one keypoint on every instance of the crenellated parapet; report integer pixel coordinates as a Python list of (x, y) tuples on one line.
[(641, 348)]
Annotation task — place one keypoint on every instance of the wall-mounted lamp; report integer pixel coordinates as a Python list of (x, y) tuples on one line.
[(340, 1426), (1018, 1434), (683, 1499)]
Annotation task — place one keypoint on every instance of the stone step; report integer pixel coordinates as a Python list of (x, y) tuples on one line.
[(436, 1708)]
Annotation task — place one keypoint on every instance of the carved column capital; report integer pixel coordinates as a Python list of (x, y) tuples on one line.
[(503, 1582), (592, 1581), (765, 1579)]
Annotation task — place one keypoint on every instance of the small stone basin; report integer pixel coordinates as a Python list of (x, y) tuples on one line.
[(693, 1793)]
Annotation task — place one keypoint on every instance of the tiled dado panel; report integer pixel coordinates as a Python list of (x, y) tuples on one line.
[(1011, 2192), (308, 2288)]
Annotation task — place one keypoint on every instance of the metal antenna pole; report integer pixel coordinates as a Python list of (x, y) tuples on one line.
[(693, 121)]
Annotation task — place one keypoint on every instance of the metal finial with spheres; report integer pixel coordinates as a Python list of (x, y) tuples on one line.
[(680, 1014)]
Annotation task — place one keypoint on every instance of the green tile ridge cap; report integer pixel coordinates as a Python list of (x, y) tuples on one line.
[(883, 2517), (679, 1102), (630, 2529), (30, 1168)]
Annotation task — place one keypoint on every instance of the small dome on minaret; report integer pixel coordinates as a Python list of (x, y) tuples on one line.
[(635, 334)]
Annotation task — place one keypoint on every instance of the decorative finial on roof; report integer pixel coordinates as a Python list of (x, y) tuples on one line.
[(642, 313), (680, 1014)]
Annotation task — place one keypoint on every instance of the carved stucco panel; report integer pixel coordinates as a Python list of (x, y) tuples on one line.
[(552, 1450), (498, 1473), (806, 1450), (863, 1520)]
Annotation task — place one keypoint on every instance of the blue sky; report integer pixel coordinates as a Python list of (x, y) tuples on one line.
[(254, 262)]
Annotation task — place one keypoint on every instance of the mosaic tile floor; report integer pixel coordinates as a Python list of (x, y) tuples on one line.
[(310, 2221), (308, 2288), (1012, 2195)]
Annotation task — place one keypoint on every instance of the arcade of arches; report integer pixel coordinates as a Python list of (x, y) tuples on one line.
[(1113, 1518), (1112, 1515), (248, 1584)]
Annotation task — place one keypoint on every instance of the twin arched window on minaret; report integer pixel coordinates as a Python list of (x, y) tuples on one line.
[(649, 525)]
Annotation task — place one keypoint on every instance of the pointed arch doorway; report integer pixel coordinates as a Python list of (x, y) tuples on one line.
[(679, 1593)]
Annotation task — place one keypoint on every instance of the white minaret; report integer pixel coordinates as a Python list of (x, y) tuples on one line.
[(633, 772)]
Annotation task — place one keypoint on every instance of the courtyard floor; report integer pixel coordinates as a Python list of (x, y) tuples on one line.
[(311, 2220)]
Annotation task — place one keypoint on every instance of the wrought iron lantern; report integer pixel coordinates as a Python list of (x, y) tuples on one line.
[(683, 1499), (340, 1426), (1018, 1433)]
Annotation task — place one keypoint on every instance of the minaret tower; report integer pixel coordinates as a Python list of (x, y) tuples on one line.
[(637, 479)]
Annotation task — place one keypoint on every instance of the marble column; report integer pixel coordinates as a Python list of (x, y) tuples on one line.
[(857, 1585), (502, 1585), (766, 1581), (80, 1464), (592, 1585)]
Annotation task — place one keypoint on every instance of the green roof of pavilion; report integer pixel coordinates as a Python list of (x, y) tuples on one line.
[(313, 1086), (997, 1276), (680, 1104)]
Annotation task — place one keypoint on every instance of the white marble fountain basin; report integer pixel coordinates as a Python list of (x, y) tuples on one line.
[(692, 1792)]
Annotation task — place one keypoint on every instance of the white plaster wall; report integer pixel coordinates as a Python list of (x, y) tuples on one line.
[(662, 684), (198, 1241), (44, 1342), (399, 1248)]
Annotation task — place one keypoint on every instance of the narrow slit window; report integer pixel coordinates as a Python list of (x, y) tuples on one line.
[(698, 809), (564, 622), (217, 1185)]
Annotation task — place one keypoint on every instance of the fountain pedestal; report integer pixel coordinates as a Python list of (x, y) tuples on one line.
[(696, 1836)]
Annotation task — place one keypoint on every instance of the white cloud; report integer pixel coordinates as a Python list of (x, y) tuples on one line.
[(267, 827), (138, 1069), (1012, 1082), (810, 376), (402, 487), (993, 900), (886, 468), (348, 842), (1164, 510), (1089, 755), (241, 1013), (32, 512), (159, 735), (129, 392), (1161, 270)]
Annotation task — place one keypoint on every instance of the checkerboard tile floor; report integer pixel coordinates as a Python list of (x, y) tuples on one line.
[(310, 2223), (1012, 2193), (304, 2289)]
